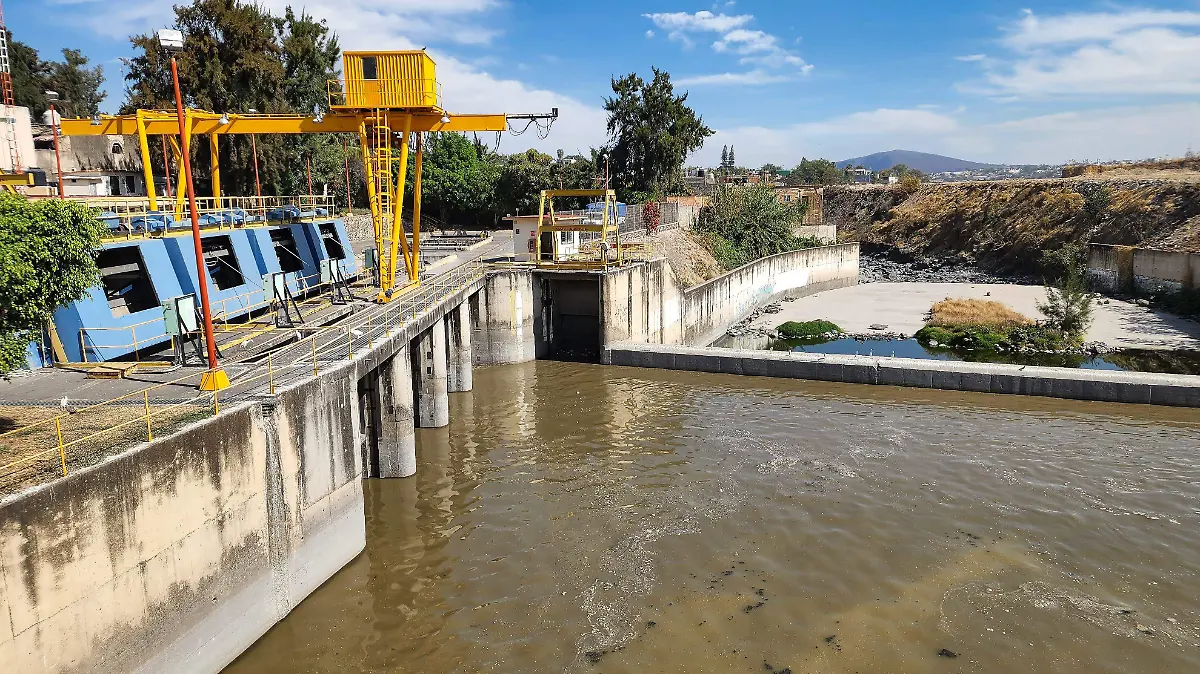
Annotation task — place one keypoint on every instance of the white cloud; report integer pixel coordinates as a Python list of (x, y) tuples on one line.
[(754, 48), (1136, 52), (702, 21), (1110, 133), (649, 34), (970, 58), (753, 77)]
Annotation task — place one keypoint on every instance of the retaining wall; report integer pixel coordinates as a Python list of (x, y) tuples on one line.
[(1099, 385), (177, 555), (646, 303), (1126, 269)]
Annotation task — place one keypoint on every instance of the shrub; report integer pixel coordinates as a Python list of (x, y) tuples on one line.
[(752, 223), (1068, 305), (807, 329)]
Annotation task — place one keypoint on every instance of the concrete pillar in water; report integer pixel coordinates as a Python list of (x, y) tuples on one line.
[(429, 362), (397, 451), (458, 339), (505, 330)]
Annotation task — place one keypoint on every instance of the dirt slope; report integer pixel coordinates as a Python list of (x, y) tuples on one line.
[(1006, 224)]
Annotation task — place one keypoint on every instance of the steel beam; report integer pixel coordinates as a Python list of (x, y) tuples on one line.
[(206, 123)]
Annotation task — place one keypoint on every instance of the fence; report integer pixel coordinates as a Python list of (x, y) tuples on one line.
[(64, 438), (132, 217)]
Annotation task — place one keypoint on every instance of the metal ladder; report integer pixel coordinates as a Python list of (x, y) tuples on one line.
[(376, 137), (6, 88)]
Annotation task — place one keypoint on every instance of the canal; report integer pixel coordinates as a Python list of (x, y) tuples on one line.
[(577, 518)]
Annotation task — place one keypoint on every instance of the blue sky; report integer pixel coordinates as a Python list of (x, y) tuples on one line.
[(983, 80)]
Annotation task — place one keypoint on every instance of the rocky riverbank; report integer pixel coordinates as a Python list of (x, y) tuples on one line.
[(889, 266)]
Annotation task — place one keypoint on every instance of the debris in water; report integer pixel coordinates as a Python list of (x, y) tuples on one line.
[(947, 653)]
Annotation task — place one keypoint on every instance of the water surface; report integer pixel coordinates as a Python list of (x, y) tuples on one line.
[(576, 518)]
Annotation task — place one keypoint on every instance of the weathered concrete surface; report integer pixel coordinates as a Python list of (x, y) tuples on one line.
[(1099, 385), (397, 450), (645, 302), (1125, 269), (902, 308), (429, 373), (458, 349), (502, 329), (177, 555)]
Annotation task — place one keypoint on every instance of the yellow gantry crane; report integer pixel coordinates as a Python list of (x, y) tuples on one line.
[(386, 97)]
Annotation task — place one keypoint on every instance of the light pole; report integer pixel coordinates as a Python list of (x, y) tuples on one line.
[(215, 378), (52, 96)]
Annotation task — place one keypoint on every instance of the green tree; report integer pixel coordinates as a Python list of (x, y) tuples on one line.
[(522, 177), (1068, 305), (47, 259), (238, 57), (815, 172), (746, 223), (770, 169), (28, 77), (78, 86), (651, 132), (458, 185)]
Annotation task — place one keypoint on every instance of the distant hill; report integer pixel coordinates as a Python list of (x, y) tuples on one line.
[(921, 161)]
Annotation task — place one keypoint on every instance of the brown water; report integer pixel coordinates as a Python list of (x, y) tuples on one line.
[(576, 518)]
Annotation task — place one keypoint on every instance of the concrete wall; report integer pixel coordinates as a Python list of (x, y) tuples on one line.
[(1076, 384), (646, 303), (1125, 269), (177, 555), (824, 233), (502, 319)]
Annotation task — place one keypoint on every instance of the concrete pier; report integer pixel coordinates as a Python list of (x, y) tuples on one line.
[(397, 444), (458, 340), (429, 371), (505, 329)]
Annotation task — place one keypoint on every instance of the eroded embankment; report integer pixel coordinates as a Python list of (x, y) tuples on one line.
[(1007, 224)]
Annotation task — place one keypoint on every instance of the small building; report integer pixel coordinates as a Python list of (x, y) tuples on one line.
[(525, 237), (808, 195), (92, 166)]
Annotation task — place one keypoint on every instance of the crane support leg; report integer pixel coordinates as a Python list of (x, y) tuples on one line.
[(398, 238), (147, 168), (414, 261), (215, 157)]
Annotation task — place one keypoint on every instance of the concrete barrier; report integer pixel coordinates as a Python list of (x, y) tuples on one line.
[(646, 303), (177, 555), (1056, 382), (1126, 269)]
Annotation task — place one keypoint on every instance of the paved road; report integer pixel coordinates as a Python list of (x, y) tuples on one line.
[(902, 307)]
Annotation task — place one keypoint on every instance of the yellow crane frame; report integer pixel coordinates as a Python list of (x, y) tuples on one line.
[(608, 225), (402, 102)]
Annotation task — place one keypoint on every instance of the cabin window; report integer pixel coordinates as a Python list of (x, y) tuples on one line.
[(114, 185), (370, 68), (286, 251), (333, 244), (127, 285), (222, 262)]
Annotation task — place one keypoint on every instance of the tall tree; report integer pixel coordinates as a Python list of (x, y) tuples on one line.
[(78, 86), (651, 132), (458, 185), (28, 76), (732, 158), (724, 156), (238, 57)]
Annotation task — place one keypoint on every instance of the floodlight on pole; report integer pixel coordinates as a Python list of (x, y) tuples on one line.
[(215, 378)]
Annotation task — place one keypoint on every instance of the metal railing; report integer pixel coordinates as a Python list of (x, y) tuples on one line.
[(132, 217), (38, 450)]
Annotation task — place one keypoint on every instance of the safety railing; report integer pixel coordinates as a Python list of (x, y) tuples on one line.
[(384, 93), (132, 217), (67, 437), (229, 314)]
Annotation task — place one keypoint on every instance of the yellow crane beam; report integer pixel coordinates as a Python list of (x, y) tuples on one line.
[(208, 123)]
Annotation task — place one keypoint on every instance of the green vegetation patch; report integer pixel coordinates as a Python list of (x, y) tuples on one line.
[(807, 329), (1030, 337)]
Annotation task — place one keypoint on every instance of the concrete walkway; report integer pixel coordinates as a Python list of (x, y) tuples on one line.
[(902, 308)]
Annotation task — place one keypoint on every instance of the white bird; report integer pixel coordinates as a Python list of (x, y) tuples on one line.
[(63, 402)]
